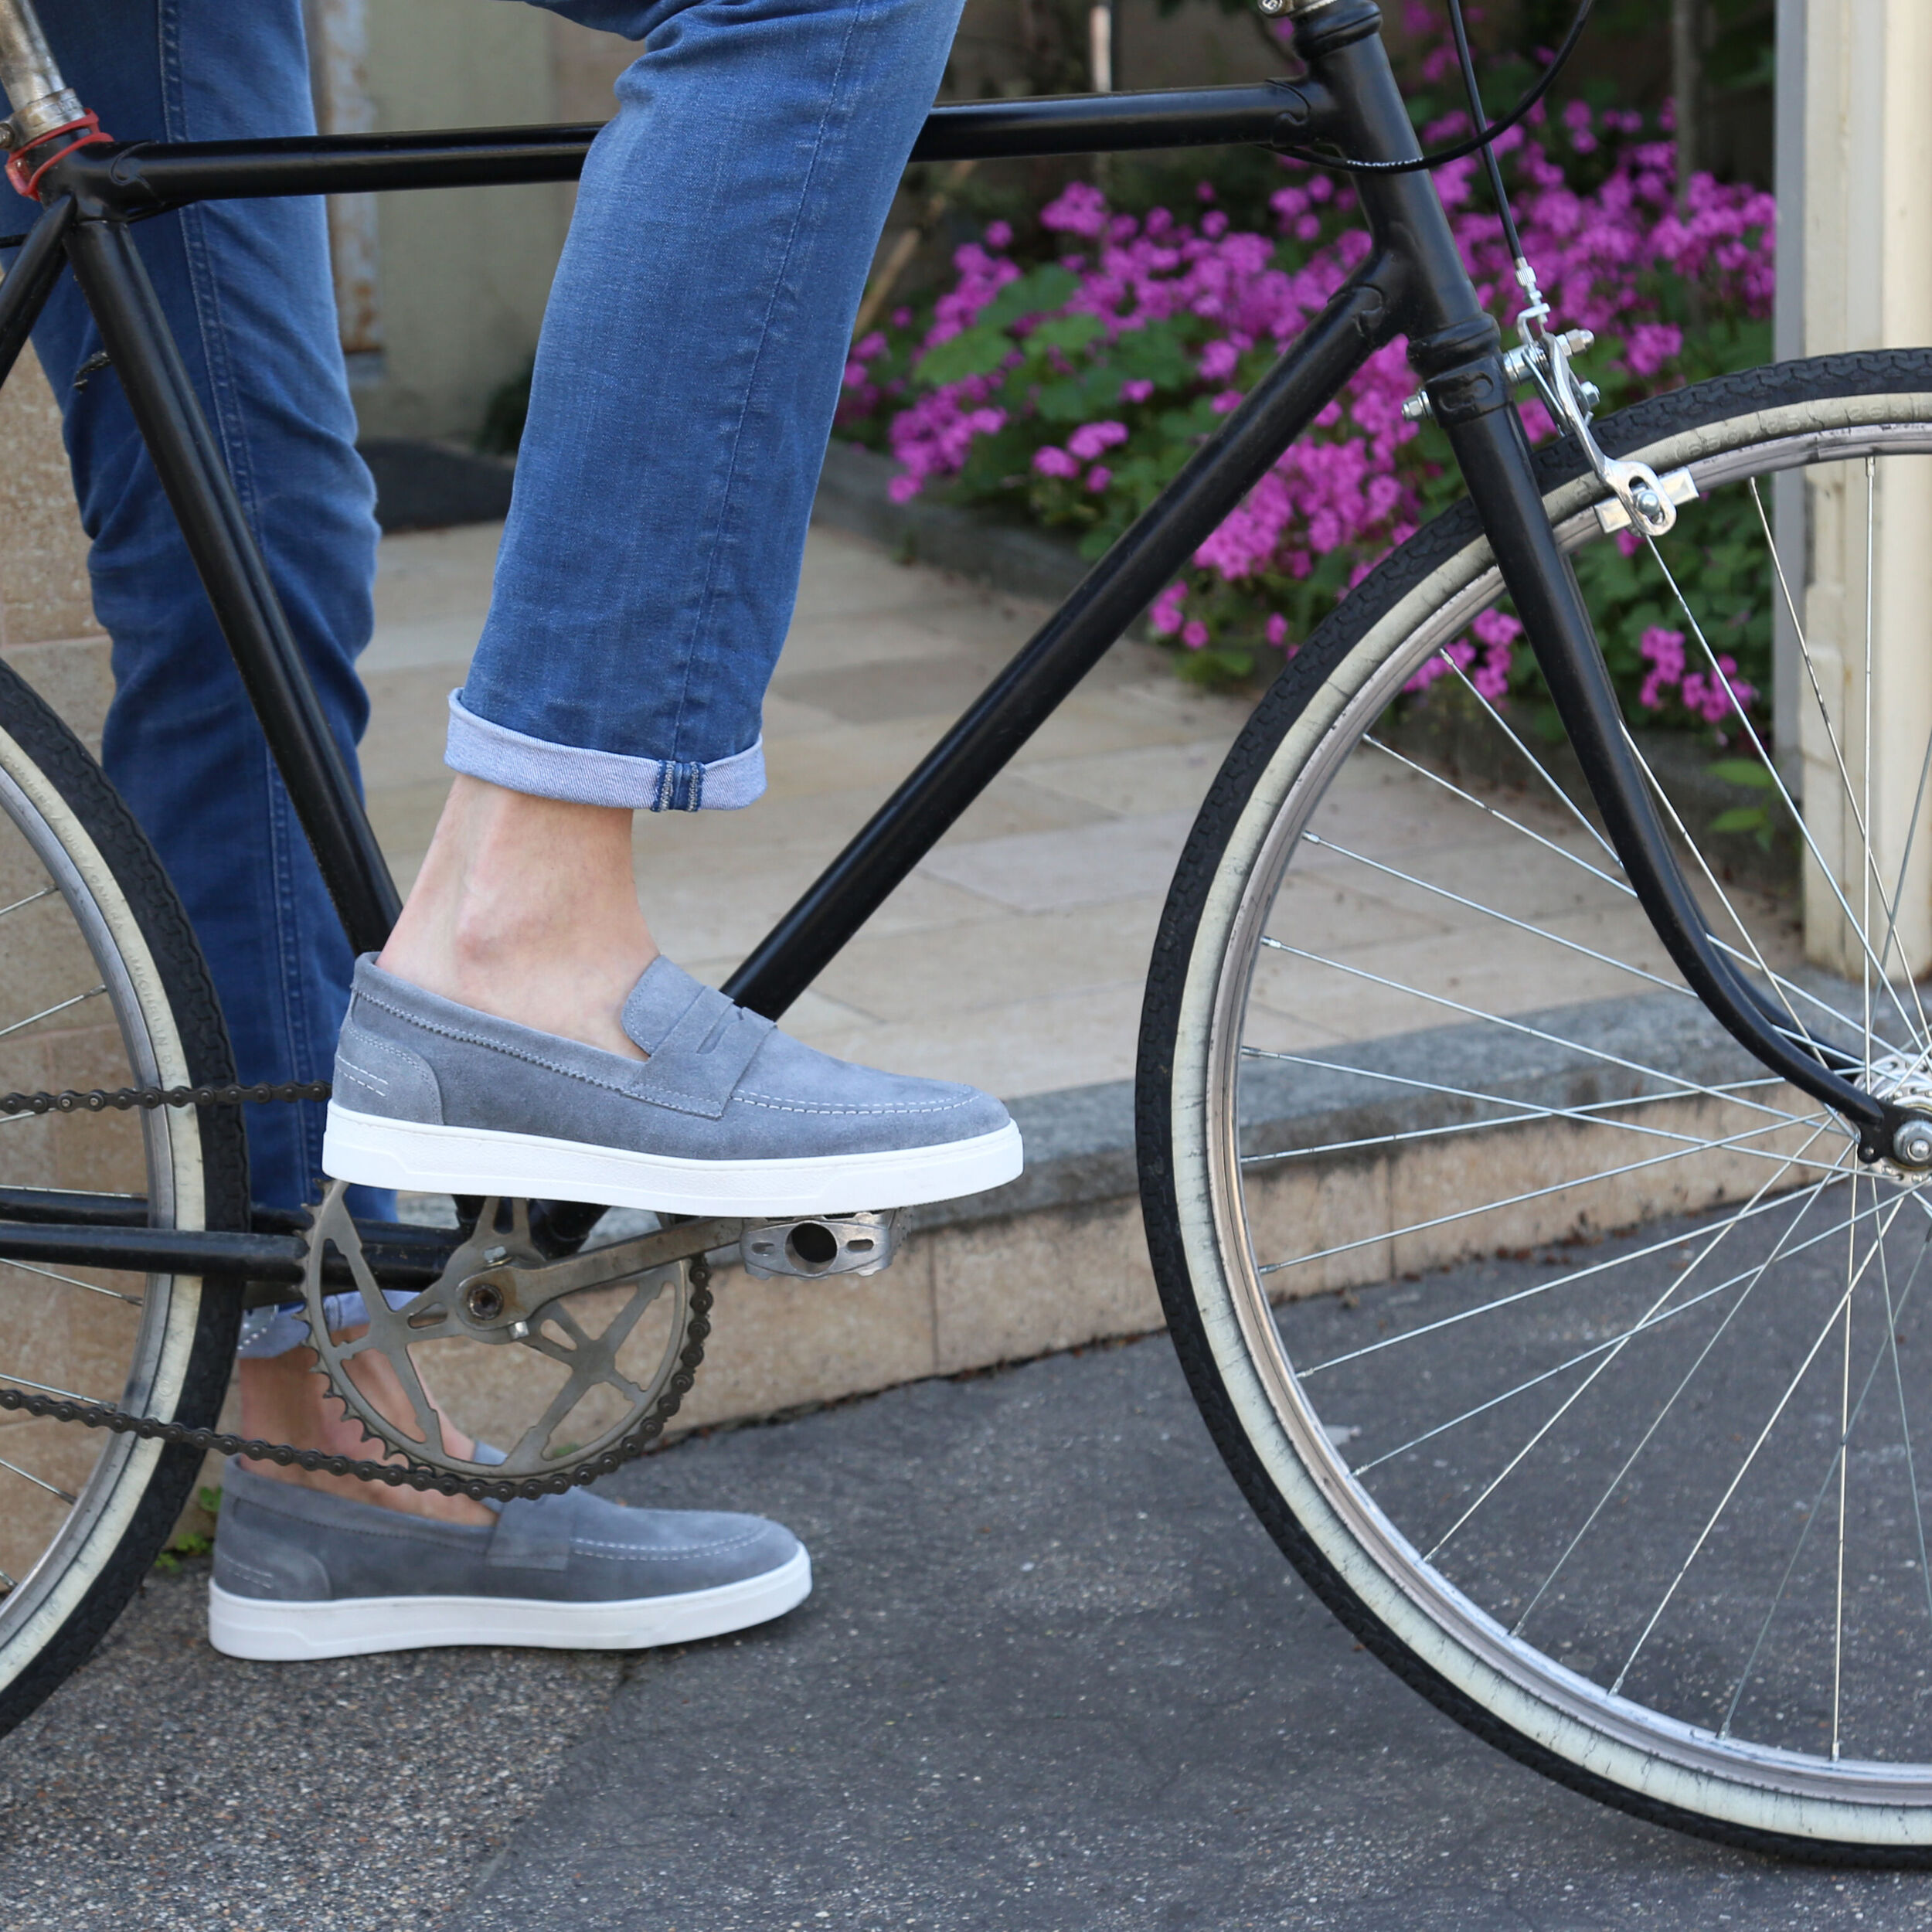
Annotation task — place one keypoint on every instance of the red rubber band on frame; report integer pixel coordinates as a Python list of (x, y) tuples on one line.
[(29, 184)]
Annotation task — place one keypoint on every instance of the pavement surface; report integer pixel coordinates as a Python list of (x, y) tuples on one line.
[(1053, 1675)]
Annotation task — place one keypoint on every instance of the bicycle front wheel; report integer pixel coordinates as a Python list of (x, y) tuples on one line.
[(1574, 1360), (103, 985)]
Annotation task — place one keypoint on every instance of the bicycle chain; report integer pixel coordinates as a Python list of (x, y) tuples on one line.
[(121, 1422), (122, 1099)]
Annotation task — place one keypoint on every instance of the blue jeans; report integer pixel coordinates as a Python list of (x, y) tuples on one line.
[(686, 381)]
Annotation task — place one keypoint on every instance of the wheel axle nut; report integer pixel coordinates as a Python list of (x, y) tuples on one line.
[(1913, 1143)]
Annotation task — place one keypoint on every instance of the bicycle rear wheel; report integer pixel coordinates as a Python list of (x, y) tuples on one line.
[(1568, 1355), (102, 984)]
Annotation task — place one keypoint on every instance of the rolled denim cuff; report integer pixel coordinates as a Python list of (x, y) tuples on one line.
[(550, 770)]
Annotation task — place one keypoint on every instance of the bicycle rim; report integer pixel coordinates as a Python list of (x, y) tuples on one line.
[(93, 952)]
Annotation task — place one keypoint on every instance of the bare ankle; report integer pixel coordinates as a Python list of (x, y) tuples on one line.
[(527, 908)]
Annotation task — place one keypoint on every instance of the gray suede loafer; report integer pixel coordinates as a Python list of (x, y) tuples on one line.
[(727, 1116), (299, 1573)]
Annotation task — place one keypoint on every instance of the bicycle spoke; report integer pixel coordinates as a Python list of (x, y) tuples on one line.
[(1512, 1025), (31, 899), (1645, 1327), (1703, 1535), (1757, 745), (1569, 1280), (1751, 1278), (27, 1475), (1824, 1482), (1502, 818), (73, 1281), (1536, 763), (1595, 1113), (79, 999), (1491, 912), (1576, 1395), (1791, 988)]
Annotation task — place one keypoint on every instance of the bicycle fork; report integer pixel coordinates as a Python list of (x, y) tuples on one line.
[(1456, 347)]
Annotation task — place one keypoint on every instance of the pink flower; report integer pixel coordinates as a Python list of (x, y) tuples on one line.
[(1164, 614), (1051, 461), (1194, 635), (1090, 439), (1664, 650), (1098, 478), (1080, 208), (1277, 630), (1218, 361), (1136, 388), (999, 234)]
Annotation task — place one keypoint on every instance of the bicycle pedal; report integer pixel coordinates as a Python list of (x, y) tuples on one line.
[(809, 1247)]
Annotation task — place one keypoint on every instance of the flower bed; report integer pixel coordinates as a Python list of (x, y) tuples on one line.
[(1068, 378)]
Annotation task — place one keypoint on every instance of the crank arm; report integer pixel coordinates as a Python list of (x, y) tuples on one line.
[(508, 1295)]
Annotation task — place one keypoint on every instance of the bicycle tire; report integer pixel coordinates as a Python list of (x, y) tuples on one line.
[(115, 914), (1338, 1519)]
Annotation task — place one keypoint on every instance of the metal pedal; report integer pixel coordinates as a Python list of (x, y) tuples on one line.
[(809, 1247)]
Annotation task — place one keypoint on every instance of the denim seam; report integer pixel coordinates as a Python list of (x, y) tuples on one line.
[(733, 468)]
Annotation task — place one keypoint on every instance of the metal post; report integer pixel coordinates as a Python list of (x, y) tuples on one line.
[(1787, 345), (30, 77)]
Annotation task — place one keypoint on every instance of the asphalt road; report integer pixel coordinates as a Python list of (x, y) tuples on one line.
[(1054, 1676)]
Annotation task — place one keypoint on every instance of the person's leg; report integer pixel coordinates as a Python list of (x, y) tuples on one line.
[(246, 290), (684, 392)]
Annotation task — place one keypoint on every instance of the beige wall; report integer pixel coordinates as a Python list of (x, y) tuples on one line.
[(47, 628), (1868, 285), (462, 273)]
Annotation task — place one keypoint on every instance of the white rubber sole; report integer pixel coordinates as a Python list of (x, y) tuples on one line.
[(424, 1159), (280, 1633)]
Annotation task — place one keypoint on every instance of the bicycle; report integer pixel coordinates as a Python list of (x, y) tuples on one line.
[(1696, 1189)]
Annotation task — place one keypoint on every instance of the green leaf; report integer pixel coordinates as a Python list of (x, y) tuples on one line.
[(1744, 771), (1037, 293), (1067, 333), (1741, 818), (977, 351)]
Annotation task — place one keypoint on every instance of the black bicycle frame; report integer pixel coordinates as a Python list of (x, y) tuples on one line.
[(1412, 283)]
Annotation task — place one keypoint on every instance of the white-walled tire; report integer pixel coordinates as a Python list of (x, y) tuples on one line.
[(102, 984), (1439, 1493)]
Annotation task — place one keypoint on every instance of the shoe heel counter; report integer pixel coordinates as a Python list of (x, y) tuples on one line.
[(375, 1076), (252, 1561)]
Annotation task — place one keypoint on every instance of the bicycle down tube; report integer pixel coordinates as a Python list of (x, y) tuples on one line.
[(1413, 284)]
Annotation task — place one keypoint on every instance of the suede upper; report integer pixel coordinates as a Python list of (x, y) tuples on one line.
[(280, 1542), (721, 1083)]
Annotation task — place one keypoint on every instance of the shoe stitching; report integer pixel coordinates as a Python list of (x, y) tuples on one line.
[(795, 1106), (232, 1565), (374, 1082), (611, 1087), (629, 1553)]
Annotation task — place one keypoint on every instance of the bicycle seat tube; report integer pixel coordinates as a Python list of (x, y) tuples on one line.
[(1456, 349)]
